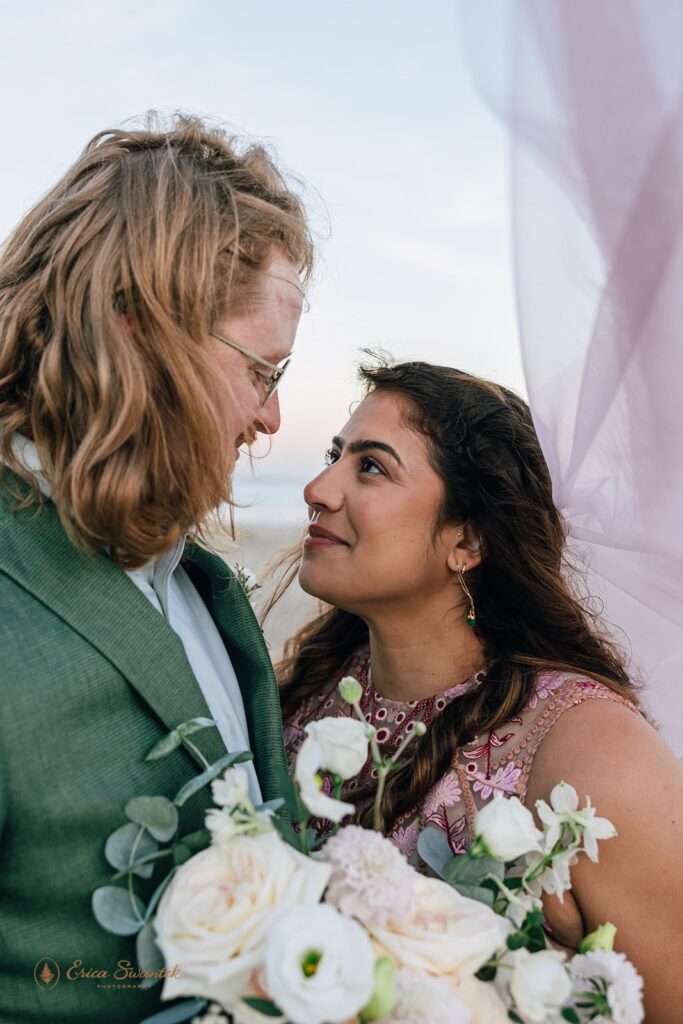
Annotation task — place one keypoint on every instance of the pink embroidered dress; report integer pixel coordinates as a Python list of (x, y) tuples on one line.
[(495, 762)]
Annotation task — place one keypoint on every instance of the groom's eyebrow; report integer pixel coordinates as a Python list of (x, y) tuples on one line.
[(356, 447)]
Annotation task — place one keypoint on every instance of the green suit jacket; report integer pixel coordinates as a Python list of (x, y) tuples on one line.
[(91, 676)]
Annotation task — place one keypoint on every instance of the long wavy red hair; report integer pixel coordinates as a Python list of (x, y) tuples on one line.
[(108, 289)]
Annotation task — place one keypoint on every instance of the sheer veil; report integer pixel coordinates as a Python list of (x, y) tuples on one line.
[(592, 95)]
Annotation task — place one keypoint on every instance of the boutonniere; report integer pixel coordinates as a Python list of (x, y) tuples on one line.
[(247, 580)]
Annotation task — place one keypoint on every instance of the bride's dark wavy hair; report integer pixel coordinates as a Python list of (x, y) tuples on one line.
[(482, 442)]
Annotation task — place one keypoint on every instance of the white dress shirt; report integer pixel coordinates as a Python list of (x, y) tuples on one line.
[(169, 589)]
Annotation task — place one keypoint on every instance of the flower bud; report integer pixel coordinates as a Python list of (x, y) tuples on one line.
[(419, 728), (384, 992), (601, 938), (350, 690)]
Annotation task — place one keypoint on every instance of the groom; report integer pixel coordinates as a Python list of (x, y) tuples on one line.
[(147, 304)]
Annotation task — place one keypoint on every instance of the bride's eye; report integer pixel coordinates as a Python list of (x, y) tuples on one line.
[(369, 466), (330, 456)]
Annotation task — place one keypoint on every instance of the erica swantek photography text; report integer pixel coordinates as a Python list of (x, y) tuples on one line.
[(123, 972)]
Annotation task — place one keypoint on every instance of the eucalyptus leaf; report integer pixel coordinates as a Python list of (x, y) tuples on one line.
[(434, 849), (194, 725), (181, 853), (156, 813), (211, 773), (112, 908), (474, 892), (472, 871), (129, 844), (288, 832), (571, 1015), (271, 805), (290, 796), (264, 1006), (165, 746), (196, 840), (178, 1013), (148, 955)]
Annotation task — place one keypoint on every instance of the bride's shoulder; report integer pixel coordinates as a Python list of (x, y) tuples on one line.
[(601, 743)]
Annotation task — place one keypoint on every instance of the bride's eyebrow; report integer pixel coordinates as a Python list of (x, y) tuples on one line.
[(356, 447)]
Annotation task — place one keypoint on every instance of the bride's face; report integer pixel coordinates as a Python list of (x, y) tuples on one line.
[(371, 540)]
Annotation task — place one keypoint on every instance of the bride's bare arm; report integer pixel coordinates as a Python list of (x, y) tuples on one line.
[(612, 755)]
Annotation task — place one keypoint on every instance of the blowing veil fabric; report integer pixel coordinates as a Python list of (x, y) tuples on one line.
[(592, 95)]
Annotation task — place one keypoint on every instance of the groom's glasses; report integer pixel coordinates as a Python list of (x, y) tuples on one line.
[(268, 383)]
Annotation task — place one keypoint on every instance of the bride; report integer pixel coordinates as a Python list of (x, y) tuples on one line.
[(434, 540)]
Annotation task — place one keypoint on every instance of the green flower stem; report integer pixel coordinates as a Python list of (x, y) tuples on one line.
[(131, 893), (382, 772), (338, 783), (196, 751)]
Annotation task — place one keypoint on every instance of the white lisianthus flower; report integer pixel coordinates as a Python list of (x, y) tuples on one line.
[(319, 965), (539, 985), (444, 933), (423, 999), (506, 830), (309, 761), (344, 744), (564, 811), (371, 880), (555, 878), (232, 789), (215, 916), (624, 984)]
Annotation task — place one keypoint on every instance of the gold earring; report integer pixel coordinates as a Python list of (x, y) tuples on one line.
[(471, 617)]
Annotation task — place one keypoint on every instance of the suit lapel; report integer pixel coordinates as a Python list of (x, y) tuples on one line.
[(97, 600), (243, 638)]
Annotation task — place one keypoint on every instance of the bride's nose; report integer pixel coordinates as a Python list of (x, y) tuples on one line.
[(324, 492)]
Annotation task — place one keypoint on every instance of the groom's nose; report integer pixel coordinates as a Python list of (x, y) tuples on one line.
[(268, 419)]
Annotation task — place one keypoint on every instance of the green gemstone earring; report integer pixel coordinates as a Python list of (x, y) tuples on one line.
[(471, 617)]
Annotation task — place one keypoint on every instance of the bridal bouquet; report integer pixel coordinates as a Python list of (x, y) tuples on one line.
[(268, 925)]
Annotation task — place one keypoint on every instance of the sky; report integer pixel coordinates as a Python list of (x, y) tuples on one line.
[(370, 103)]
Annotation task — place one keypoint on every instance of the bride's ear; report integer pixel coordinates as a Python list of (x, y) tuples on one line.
[(466, 550)]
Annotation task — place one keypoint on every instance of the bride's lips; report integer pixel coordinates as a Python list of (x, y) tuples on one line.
[(317, 537)]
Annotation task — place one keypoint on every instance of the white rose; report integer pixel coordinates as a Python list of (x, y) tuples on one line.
[(344, 744), (319, 965), (215, 915), (506, 829), (445, 933), (539, 984), (309, 761)]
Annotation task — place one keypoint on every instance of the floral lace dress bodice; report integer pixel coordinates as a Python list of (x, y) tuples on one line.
[(494, 762)]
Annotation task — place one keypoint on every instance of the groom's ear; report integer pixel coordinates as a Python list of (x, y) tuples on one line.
[(465, 552)]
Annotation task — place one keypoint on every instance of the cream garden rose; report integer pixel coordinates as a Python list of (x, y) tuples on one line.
[(216, 914), (444, 933)]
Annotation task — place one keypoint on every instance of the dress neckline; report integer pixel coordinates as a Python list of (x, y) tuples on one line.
[(377, 699)]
